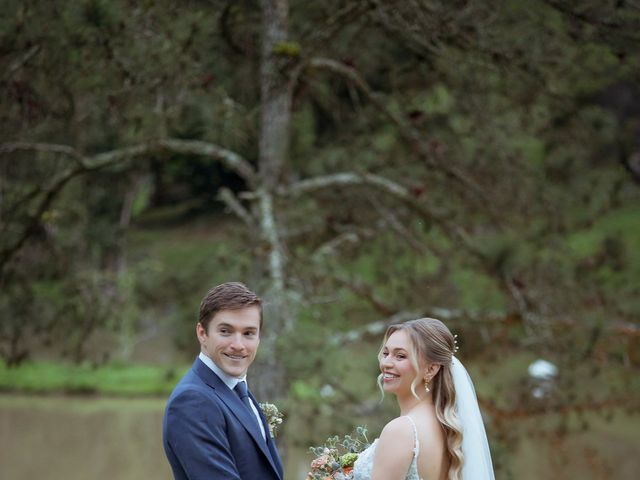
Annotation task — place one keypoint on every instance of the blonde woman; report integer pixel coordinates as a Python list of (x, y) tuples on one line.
[(439, 434)]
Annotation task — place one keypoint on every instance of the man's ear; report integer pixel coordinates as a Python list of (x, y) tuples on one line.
[(201, 333)]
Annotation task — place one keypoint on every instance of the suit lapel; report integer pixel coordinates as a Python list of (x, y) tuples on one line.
[(233, 402)]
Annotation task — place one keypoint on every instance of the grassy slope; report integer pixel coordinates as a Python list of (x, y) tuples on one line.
[(114, 379)]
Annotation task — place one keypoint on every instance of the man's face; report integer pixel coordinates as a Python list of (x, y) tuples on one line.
[(232, 339)]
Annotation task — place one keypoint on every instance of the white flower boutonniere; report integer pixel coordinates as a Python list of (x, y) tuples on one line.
[(273, 416)]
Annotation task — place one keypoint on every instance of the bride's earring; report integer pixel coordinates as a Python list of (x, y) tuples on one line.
[(426, 385)]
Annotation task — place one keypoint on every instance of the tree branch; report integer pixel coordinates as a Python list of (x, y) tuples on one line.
[(391, 219), (71, 152), (453, 318), (396, 190), (347, 179), (229, 199), (19, 63), (85, 164), (373, 329), (330, 247), (320, 35), (562, 409), (49, 195), (228, 158), (441, 218), (409, 133), (626, 28)]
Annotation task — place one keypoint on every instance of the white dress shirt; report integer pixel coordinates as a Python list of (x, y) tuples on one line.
[(231, 382)]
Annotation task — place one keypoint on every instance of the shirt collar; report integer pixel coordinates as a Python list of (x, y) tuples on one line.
[(228, 380)]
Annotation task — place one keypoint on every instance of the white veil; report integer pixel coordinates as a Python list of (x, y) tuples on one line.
[(475, 447)]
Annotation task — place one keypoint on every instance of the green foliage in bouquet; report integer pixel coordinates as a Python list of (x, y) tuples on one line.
[(336, 457)]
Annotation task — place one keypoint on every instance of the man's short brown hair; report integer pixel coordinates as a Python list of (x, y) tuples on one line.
[(227, 296)]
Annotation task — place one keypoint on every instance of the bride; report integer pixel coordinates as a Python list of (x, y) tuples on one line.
[(439, 434)]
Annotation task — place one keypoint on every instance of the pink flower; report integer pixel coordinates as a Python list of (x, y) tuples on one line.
[(321, 463)]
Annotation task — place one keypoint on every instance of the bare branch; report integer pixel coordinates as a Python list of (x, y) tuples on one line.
[(373, 329), (532, 322), (562, 408), (347, 179), (391, 219), (82, 165), (320, 35), (453, 317), (627, 27), (354, 77), (230, 200), (366, 291), (396, 190), (350, 179), (49, 195), (11, 147), (18, 64), (86, 164), (330, 247), (229, 158)]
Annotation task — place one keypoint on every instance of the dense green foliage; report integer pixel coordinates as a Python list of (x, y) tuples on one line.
[(473, 161)]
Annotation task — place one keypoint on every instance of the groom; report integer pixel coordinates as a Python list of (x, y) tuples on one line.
[(213, 428)]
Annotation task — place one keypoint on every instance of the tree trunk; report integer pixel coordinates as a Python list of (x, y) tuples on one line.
[(274, 146), (275, 94)]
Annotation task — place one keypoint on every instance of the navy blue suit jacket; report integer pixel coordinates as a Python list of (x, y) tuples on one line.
[(209, 434)]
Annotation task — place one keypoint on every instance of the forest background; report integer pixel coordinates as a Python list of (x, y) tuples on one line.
[(357, 163)]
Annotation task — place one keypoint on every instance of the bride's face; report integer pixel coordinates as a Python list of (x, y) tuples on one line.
[(395, 364)]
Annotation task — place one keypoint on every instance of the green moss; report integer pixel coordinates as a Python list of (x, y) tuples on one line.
[(287, 49)]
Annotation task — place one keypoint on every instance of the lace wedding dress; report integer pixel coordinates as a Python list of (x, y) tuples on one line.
[(364, 465)]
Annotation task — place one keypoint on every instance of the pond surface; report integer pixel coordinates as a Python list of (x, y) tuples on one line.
[(78, 438), (94, 438), (86, 438)]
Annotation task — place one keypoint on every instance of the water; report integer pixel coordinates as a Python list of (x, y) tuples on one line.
[(93, 438), (74, 438), (87, 438)]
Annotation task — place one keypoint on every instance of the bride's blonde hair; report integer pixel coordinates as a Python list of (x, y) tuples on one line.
[(432, 342)]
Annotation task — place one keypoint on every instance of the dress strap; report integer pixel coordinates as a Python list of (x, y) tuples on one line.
[(416, 450)]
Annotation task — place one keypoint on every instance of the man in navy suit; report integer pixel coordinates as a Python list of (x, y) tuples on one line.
[(213, 428)]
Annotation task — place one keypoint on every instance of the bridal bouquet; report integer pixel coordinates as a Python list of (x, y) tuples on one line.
[(335, 458)]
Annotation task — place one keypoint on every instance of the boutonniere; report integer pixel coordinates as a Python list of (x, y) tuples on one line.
[(273, 416)]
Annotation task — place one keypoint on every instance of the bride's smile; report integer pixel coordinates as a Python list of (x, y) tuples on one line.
[(396, 366)]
